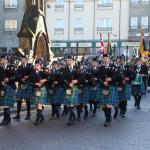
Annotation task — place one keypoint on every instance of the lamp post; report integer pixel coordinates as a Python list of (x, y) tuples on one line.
[(94, 26), (119, 25)]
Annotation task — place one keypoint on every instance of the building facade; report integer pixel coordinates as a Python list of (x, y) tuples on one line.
[(11, 13), (75, 25), (139, 20)]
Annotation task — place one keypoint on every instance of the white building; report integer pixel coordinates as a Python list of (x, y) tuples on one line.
[(76, 24)]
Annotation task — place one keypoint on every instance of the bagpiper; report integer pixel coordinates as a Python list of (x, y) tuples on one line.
[(7, 88), (84, 93), (109, 95), (138, 87), (94, 85), (25, 89), (38, 80), (123, 86), (71, 88), (56, 89)]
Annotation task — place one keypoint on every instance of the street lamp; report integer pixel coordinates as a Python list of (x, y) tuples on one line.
[(119, 25)]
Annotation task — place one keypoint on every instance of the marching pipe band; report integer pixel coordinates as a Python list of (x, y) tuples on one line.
[(76, 86)]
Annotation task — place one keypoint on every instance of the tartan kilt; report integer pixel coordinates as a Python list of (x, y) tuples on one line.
[(73, 98), (94, 94), (26, 93), (58, 96), (85, 96), (1, 101), (9, 98), (43, 99), (138, 89), (111, 99), (125, 94)]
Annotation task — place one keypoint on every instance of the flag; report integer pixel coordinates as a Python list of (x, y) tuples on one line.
[(143, 51), (109, 47), (101, 41), (102, 45)]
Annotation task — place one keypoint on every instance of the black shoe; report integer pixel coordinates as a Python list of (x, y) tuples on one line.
[(57, 115), (78, 119), (27, 117), (16, 117), (42, 119), (106, 124), (36, 123), (69, 123), (5, 122), (123, 115), (86, 115), (120, 114), (116, 113), (94, 115), (138, 107)]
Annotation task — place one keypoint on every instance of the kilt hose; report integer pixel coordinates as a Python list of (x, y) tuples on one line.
[(25, 93), (138, 89), (111, 99), (58, 96), (73, 98), (43, 99), (9, 98), (84, 97), (125, 94)]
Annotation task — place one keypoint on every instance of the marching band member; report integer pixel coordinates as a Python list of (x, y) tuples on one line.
[(71, 88), (84, 95), (56, 90), (94, 85), (7, 88), (138, 87), (25, 90), (39, 79), (109, 94), (123, 86)]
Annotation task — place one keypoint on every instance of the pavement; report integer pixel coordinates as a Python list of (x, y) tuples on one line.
[(130, 133)]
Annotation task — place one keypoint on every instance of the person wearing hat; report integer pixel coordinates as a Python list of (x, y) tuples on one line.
[(123, 86), (71, 88), (94, 85), (84, 95), (109, 95), (24, 90), (138, 87), (38, 80), (56, 90), (7, 88)]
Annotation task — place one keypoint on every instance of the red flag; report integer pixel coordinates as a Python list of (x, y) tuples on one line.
[(102, 45), (101, 41)]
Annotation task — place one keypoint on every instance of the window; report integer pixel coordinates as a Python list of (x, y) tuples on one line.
[(134, 21), (79, 2), (78, 26), (59, 2), (104, 24), (79, 5), (59, 28), (105, 2), (10, 3), (144, 22), (10, 25), (78, 23), (108, 4), (59, 5), (145, 1), (134, 2)]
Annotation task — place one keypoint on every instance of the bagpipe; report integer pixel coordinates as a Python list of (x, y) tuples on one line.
[(4, 85)]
